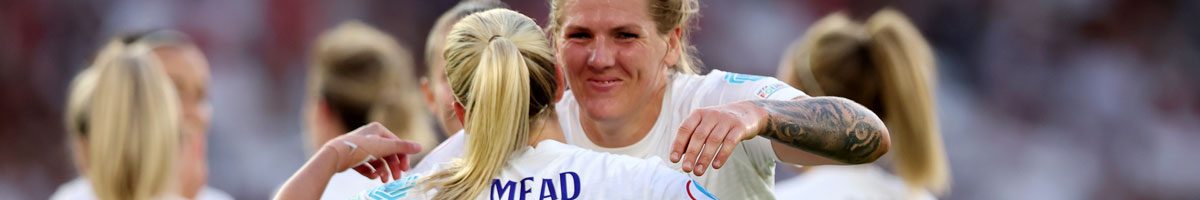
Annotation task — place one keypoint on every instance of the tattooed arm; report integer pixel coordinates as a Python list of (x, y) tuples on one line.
[(830, 127), (805, 130)]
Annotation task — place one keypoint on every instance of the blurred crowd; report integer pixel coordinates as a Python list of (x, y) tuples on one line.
[(1038, 99)]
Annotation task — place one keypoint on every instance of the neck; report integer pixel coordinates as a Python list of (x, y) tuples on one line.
[(545, 127), (624, 131)]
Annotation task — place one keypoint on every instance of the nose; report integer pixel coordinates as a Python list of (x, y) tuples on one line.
[(602, 54)]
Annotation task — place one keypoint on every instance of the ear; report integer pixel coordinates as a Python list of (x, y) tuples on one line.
[(673, 47), (427, 89), (459, 112)]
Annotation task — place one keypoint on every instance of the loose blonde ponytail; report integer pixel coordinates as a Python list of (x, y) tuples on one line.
[(499, 67), (906, 63), (887, 66), (363, 76), (133, 123)]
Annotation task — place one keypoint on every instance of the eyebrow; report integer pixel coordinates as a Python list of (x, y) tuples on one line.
[(626, 27), (629, 27)]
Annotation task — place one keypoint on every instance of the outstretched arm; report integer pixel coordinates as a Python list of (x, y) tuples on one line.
[(805, 130), (371, 150), (831, 127)]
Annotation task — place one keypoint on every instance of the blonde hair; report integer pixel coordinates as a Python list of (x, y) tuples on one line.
[(887, 66), (435, 42), (132, 124), (78, 97), (364, 75), (667, 15), (501, 70), (75, 119)]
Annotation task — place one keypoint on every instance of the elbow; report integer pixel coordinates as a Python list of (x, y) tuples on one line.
[(885, 143), (875, 141)]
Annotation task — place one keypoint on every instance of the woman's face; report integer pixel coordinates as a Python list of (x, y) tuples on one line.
[(615, 60), (189, 72), (437, 90)]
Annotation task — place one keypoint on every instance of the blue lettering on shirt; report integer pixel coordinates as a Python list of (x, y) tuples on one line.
[(500, 195), (509, 188), (547, 189)]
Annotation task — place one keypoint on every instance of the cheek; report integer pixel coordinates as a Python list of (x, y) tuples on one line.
[(574, 58), (639, 61)]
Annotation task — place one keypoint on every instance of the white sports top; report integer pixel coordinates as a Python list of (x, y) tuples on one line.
[(81, 189), (750, 171)]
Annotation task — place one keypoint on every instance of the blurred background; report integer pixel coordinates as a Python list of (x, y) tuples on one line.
[(1060, 99)]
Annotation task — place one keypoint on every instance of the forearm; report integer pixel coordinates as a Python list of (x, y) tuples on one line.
[(310, 181), (831, 127)]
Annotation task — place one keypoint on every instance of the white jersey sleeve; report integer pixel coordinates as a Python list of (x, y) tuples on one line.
[(727, 87), (733, 87)]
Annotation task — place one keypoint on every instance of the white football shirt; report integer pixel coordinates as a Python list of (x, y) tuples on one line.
[(81, 189), (749, 173)]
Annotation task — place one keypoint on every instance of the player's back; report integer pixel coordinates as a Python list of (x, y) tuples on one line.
[(555, 170)]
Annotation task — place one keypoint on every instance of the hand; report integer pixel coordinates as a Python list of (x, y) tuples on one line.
[(372, 151), (713, 132)]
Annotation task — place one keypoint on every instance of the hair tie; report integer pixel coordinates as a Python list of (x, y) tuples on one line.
[(493, 38)]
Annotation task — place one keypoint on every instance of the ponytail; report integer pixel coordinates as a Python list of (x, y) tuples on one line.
[(499, 67), (887, 66), (133, 125), (906, 63)]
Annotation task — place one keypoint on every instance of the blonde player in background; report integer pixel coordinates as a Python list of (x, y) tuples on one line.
[(188, 71), (437, 91), (886, 65), (361, 75)]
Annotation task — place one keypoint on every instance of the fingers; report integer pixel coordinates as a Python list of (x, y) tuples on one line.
[(374, 129), (394, 165), (711, 145), (681, 137), (731, 140), (381, 169), (404, 162), (696, 142), (365, 171), (404, 147)]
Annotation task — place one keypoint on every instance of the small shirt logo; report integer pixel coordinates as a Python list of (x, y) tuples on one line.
[(768, 90), (737, 78)]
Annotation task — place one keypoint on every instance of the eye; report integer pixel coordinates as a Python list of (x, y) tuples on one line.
[(579, 35), (626, 36)]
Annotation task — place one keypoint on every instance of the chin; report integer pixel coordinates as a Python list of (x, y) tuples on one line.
[(601, 111)]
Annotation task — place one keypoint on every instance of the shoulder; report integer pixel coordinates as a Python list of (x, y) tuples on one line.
[(726, 87), (449, 150)]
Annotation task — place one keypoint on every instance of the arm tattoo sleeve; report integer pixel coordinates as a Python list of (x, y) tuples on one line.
[(832, 127)]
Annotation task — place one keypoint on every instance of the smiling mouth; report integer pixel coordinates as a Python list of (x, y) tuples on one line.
[(604, 84)]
